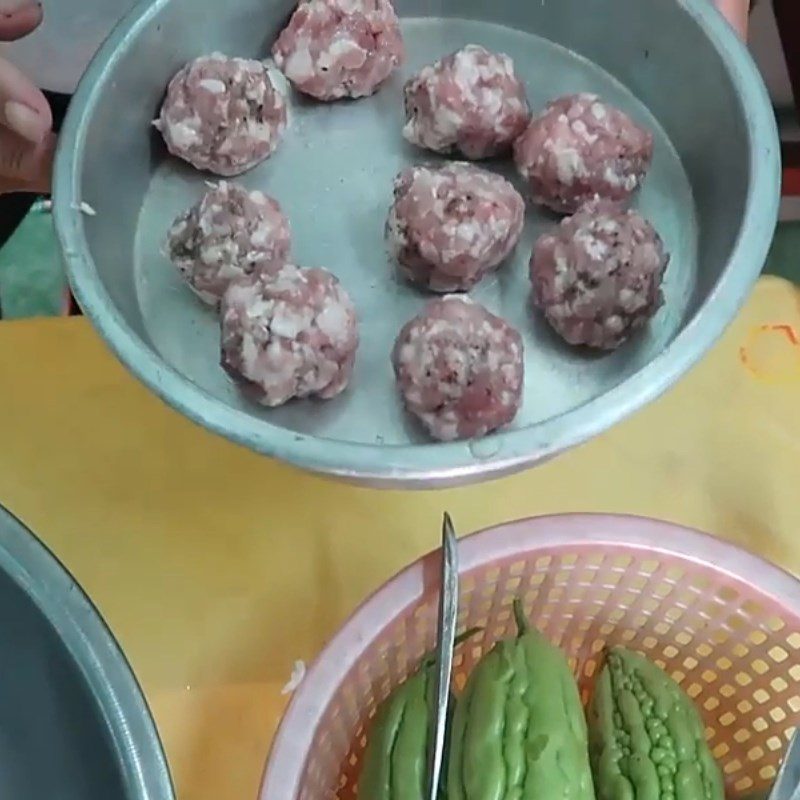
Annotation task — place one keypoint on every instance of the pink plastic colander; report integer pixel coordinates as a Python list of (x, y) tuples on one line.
[(723, 622)]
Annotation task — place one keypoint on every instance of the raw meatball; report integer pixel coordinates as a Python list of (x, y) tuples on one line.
[(470, 102), (229, 233), (580, 149), (451, 225), (222, 114), (289, 333), (459, 369), (340, 48), (598, 276)]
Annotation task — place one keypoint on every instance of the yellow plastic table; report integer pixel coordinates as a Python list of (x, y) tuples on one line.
[(217, 569)]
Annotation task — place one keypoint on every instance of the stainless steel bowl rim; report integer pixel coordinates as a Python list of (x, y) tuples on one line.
[(498, 543), (440, 464), (91, 645)]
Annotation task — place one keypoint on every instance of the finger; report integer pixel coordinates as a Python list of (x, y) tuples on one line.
[(23, 108), (736, 12), (18, 18), (16, 187), (25, 166)]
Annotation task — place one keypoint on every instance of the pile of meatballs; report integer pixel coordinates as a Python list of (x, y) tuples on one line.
[(290, 331)]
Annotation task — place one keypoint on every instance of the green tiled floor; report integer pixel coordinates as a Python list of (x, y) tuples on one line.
[(31, 277), (32, 282)]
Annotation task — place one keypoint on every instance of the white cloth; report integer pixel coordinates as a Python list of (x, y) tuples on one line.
[(55, 56)]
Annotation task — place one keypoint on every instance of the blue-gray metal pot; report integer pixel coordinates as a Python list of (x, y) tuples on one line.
[(74, 724), (713, 193)]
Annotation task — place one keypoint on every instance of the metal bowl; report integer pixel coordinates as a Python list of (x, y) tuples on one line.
[(713, 194), (73, 721)]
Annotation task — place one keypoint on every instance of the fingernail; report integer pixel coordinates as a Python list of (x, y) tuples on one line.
[(24, 121)]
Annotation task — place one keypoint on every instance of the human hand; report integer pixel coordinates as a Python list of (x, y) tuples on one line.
[(26, 139), (736, 12)]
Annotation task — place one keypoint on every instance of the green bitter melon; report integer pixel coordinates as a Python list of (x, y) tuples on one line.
[(395, 761), (519, 731), (646, 739)]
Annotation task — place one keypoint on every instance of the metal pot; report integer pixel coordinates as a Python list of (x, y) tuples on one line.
[(712, 193), (75, 724)]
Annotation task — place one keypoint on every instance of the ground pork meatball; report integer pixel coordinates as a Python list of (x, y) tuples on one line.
[(597, 277), (451, 225), (339, 48), (229, 233), (222, 114), (470, 102), (459, 369), (289, 333), (579, 149)]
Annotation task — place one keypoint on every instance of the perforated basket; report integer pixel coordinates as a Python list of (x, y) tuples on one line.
[(723, 622)]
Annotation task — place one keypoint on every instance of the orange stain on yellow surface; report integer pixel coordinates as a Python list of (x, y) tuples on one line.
[(771, 352)]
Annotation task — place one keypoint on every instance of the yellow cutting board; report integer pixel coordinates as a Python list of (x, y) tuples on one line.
[(217, 568)]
